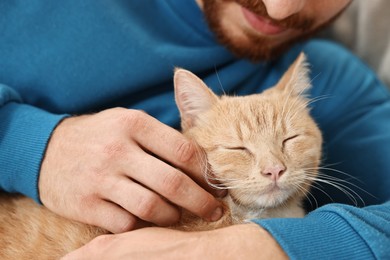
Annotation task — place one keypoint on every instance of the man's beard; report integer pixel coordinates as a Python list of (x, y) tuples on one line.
[(257, 47)]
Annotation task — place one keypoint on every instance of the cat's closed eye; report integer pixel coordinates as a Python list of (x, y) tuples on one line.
[(286, 140), (238, 149)]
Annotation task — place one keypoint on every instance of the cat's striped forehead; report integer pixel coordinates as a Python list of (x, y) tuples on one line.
[(260, 114)]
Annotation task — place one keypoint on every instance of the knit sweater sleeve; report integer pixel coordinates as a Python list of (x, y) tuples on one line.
[(335, 231), (24, 133)]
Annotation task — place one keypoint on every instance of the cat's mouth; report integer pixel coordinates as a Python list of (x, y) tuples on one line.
[(272, 188)]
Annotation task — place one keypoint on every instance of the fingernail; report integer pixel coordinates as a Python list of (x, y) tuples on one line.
[(217, 214)]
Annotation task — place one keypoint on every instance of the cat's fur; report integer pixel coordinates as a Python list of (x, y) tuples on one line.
[(261, 147)]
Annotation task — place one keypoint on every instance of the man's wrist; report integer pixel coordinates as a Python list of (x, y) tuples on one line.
[(250, 241)]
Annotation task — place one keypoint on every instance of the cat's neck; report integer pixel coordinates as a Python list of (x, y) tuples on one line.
[(242, 213)]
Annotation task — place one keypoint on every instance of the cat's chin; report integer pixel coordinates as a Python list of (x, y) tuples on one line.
[(270, 201), (278, 204), (271, 198)]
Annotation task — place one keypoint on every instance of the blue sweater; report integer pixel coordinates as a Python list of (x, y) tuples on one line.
[(60, 58)]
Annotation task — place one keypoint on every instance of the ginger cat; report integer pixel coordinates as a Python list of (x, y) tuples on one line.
[(264, 148)]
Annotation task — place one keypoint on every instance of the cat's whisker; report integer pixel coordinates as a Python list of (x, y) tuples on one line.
[(205, 167), (233, 184), (306, 192), (316, 99), (309, 101), (219, 81), (301, 95), (315, 179), (300, 181), (298, 110), (340, 172), (225, 179), (315, 186), (283, 204), (305, 105), (328, 177), (295, 110), (336, 179), (345, 189), (238, 186), (227, 183), (287, 101), (212, 177), (327, 168)]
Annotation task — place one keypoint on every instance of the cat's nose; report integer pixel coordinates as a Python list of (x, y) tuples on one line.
[(274, 172)]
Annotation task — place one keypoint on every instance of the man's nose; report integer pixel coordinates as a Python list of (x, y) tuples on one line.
[(281, 9)]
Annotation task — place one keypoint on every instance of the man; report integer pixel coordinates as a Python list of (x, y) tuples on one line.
[(117, 168)]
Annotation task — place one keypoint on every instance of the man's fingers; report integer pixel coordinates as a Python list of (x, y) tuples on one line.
[(142, 202), (176, 187), (110, 217), (171, 146)]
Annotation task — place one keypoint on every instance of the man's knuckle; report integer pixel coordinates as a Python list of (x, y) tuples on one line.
[(87, 201), (127, 224), (116, 110), (174, 183), (114, 149), (147, 206), (134, 119), (185, 151)]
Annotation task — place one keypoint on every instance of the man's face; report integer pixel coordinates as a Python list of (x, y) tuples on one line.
[(263, 29)]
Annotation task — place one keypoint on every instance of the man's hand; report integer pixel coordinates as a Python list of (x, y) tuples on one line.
[(121, 169), (246, 241)]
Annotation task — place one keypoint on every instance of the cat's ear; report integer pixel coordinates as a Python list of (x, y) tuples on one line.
[(192, 96), (296, 79)]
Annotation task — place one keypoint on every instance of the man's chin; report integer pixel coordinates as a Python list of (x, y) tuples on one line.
[(255, 48)]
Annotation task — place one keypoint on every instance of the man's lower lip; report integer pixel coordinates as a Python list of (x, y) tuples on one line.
[(260, 24)]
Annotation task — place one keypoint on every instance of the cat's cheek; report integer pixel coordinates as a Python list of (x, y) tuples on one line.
[(245, 198), (310, 158), (300, 151), (230, 162)]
